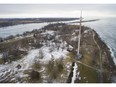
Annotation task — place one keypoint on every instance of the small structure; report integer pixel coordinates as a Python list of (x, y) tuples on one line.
[(78, 56), (70, 48)]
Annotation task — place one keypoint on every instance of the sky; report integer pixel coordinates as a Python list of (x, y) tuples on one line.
[(56, 10)]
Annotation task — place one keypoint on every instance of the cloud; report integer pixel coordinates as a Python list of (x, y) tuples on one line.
[(56, 10)]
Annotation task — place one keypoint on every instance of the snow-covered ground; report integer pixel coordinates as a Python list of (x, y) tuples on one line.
[(48, 52), (54, 54), (76, 73), (75, 68), (48, 32)]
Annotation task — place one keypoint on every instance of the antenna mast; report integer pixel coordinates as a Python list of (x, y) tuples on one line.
[(78, 51)]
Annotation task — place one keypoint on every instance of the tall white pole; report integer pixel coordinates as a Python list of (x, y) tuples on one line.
[(79, 34)]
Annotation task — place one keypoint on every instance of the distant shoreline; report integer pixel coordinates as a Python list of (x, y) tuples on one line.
[(16, 21), (86, 21)]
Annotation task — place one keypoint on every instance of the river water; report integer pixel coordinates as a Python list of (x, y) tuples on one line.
[(19, 29), (105, 27)]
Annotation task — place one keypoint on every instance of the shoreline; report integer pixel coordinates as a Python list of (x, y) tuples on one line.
[(112, 65), (110, 49)]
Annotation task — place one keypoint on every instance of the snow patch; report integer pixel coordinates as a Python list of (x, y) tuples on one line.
[(48, 32), (29, 59), (74, 73), (70, 47), (74, 38), (54, 54), (86, 31)]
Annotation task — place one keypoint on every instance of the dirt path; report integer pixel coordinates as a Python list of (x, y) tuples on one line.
[(101, 67)]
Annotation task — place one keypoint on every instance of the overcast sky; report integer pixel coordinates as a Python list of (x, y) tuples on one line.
[(56, 10)]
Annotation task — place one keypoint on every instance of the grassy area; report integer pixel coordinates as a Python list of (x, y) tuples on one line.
[(86, 59), (55, 68), (71, 55), (87, 74)]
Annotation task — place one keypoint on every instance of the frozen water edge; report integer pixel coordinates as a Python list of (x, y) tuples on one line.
[(112, 54)]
